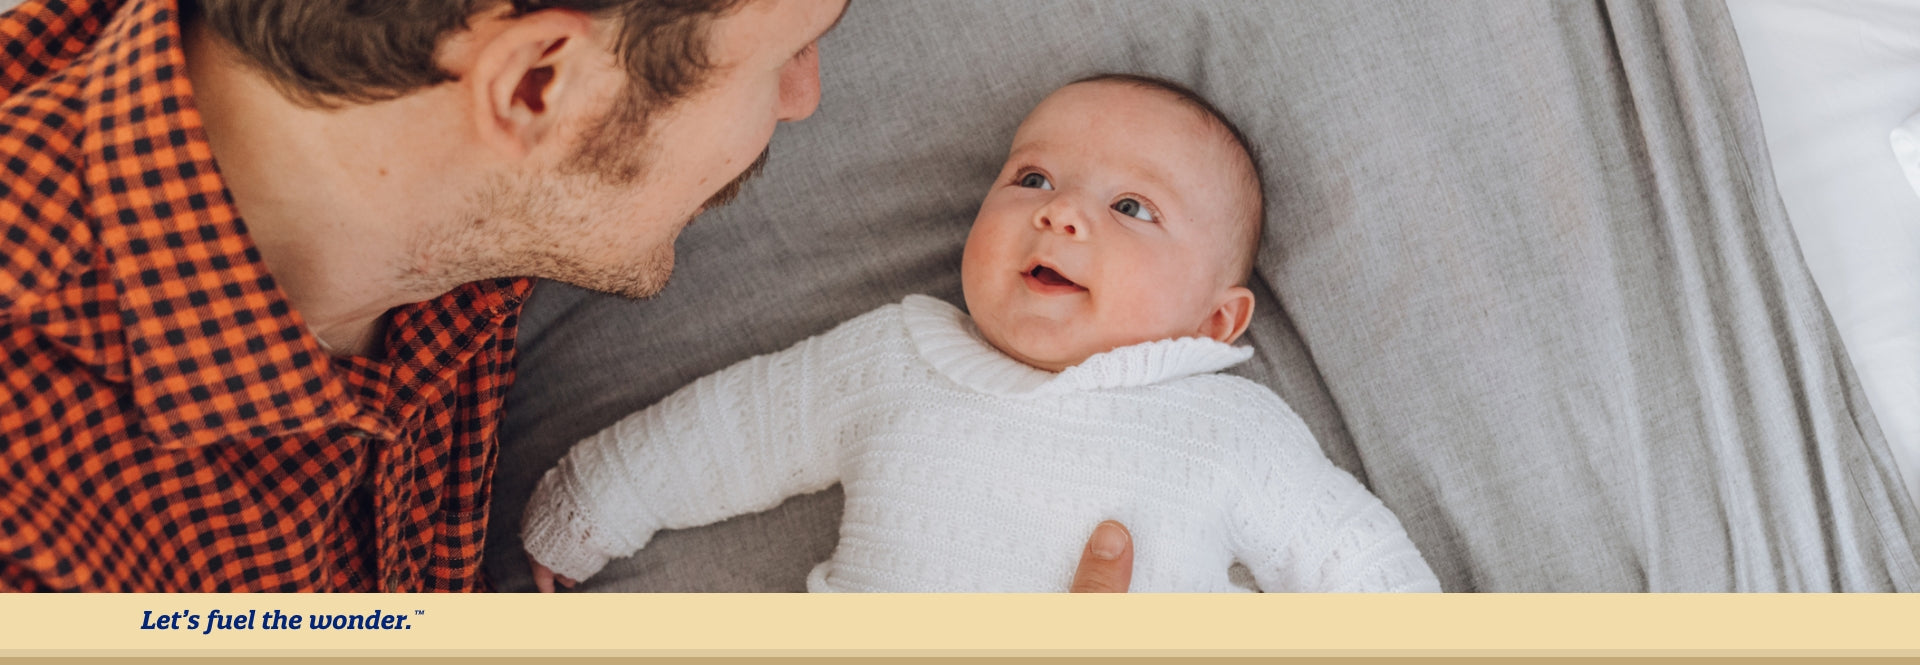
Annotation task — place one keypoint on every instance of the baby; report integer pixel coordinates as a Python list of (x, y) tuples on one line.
[(1104, 277)]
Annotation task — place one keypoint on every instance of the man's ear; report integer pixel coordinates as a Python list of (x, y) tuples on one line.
[(528, 73), (1229, 318)]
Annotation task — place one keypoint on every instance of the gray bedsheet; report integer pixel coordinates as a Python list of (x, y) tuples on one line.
[(1525, 274)]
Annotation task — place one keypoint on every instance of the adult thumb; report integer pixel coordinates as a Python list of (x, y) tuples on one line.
[(1106, 565)]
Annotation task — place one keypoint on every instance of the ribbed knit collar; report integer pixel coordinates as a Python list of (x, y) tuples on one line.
[(947, 338)]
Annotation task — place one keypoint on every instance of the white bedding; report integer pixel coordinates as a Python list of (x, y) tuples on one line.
[(1833, 80)]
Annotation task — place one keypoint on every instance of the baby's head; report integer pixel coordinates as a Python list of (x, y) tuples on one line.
[(1128, 211)]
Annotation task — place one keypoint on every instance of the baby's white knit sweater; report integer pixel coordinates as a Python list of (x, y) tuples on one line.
[(966, 470)]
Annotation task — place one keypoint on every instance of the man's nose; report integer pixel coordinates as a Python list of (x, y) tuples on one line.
[(800, 86)]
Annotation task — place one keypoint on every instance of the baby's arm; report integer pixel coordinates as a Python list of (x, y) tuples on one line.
[(1303, 524), (734, 442)]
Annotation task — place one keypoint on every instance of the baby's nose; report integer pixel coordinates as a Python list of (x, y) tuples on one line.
[(1054, 221)]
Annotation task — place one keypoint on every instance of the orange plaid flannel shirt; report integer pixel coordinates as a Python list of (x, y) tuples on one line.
[(166, 420)]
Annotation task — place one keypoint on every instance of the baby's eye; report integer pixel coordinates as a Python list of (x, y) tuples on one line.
[(1133, 208), (1035, 181)]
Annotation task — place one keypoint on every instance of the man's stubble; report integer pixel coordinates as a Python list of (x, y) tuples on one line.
[(545, 224)]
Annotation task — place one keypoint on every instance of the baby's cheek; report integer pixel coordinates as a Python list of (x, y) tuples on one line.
[(1162, 306)]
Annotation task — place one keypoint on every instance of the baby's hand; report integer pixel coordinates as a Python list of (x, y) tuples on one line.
[(543, 577)]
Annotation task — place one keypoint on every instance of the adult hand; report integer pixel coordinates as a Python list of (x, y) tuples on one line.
[(543, 577), (1106, 566)]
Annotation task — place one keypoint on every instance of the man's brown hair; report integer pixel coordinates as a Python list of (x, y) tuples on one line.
[(323, 53)]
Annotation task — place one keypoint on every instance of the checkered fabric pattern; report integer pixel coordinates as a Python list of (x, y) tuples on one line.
[(166, 420)]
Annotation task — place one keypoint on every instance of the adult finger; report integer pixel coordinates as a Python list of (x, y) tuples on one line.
[(542, 578), (1106, 566)]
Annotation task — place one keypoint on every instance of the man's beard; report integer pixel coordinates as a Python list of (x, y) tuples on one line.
[(732, 189), (533, 225), (529, 225), (614, 151)]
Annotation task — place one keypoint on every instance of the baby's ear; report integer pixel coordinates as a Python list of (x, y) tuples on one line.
[(1230, 317)]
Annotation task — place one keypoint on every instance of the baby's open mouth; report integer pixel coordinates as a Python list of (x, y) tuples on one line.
[(1050, 277)]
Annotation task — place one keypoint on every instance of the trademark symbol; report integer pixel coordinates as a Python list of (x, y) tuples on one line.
[(419, 612)]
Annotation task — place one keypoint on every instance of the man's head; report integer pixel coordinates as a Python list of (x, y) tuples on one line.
[(1128, 211), (589, 131)]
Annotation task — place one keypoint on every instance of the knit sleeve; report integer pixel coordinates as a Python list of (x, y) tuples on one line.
[(1303, 524), (737, 441)]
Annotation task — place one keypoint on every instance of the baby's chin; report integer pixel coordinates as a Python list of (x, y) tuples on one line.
[(1037, 350)]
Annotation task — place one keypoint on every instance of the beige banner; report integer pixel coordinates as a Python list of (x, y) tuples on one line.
[(827, 625)]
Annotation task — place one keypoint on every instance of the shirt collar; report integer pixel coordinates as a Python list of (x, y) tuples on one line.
[(948, 339), (427, 348)]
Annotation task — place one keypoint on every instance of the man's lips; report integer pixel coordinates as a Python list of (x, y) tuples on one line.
[(1047, 281)]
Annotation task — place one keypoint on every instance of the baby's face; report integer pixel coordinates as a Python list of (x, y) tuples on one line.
[(1111, 224)]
